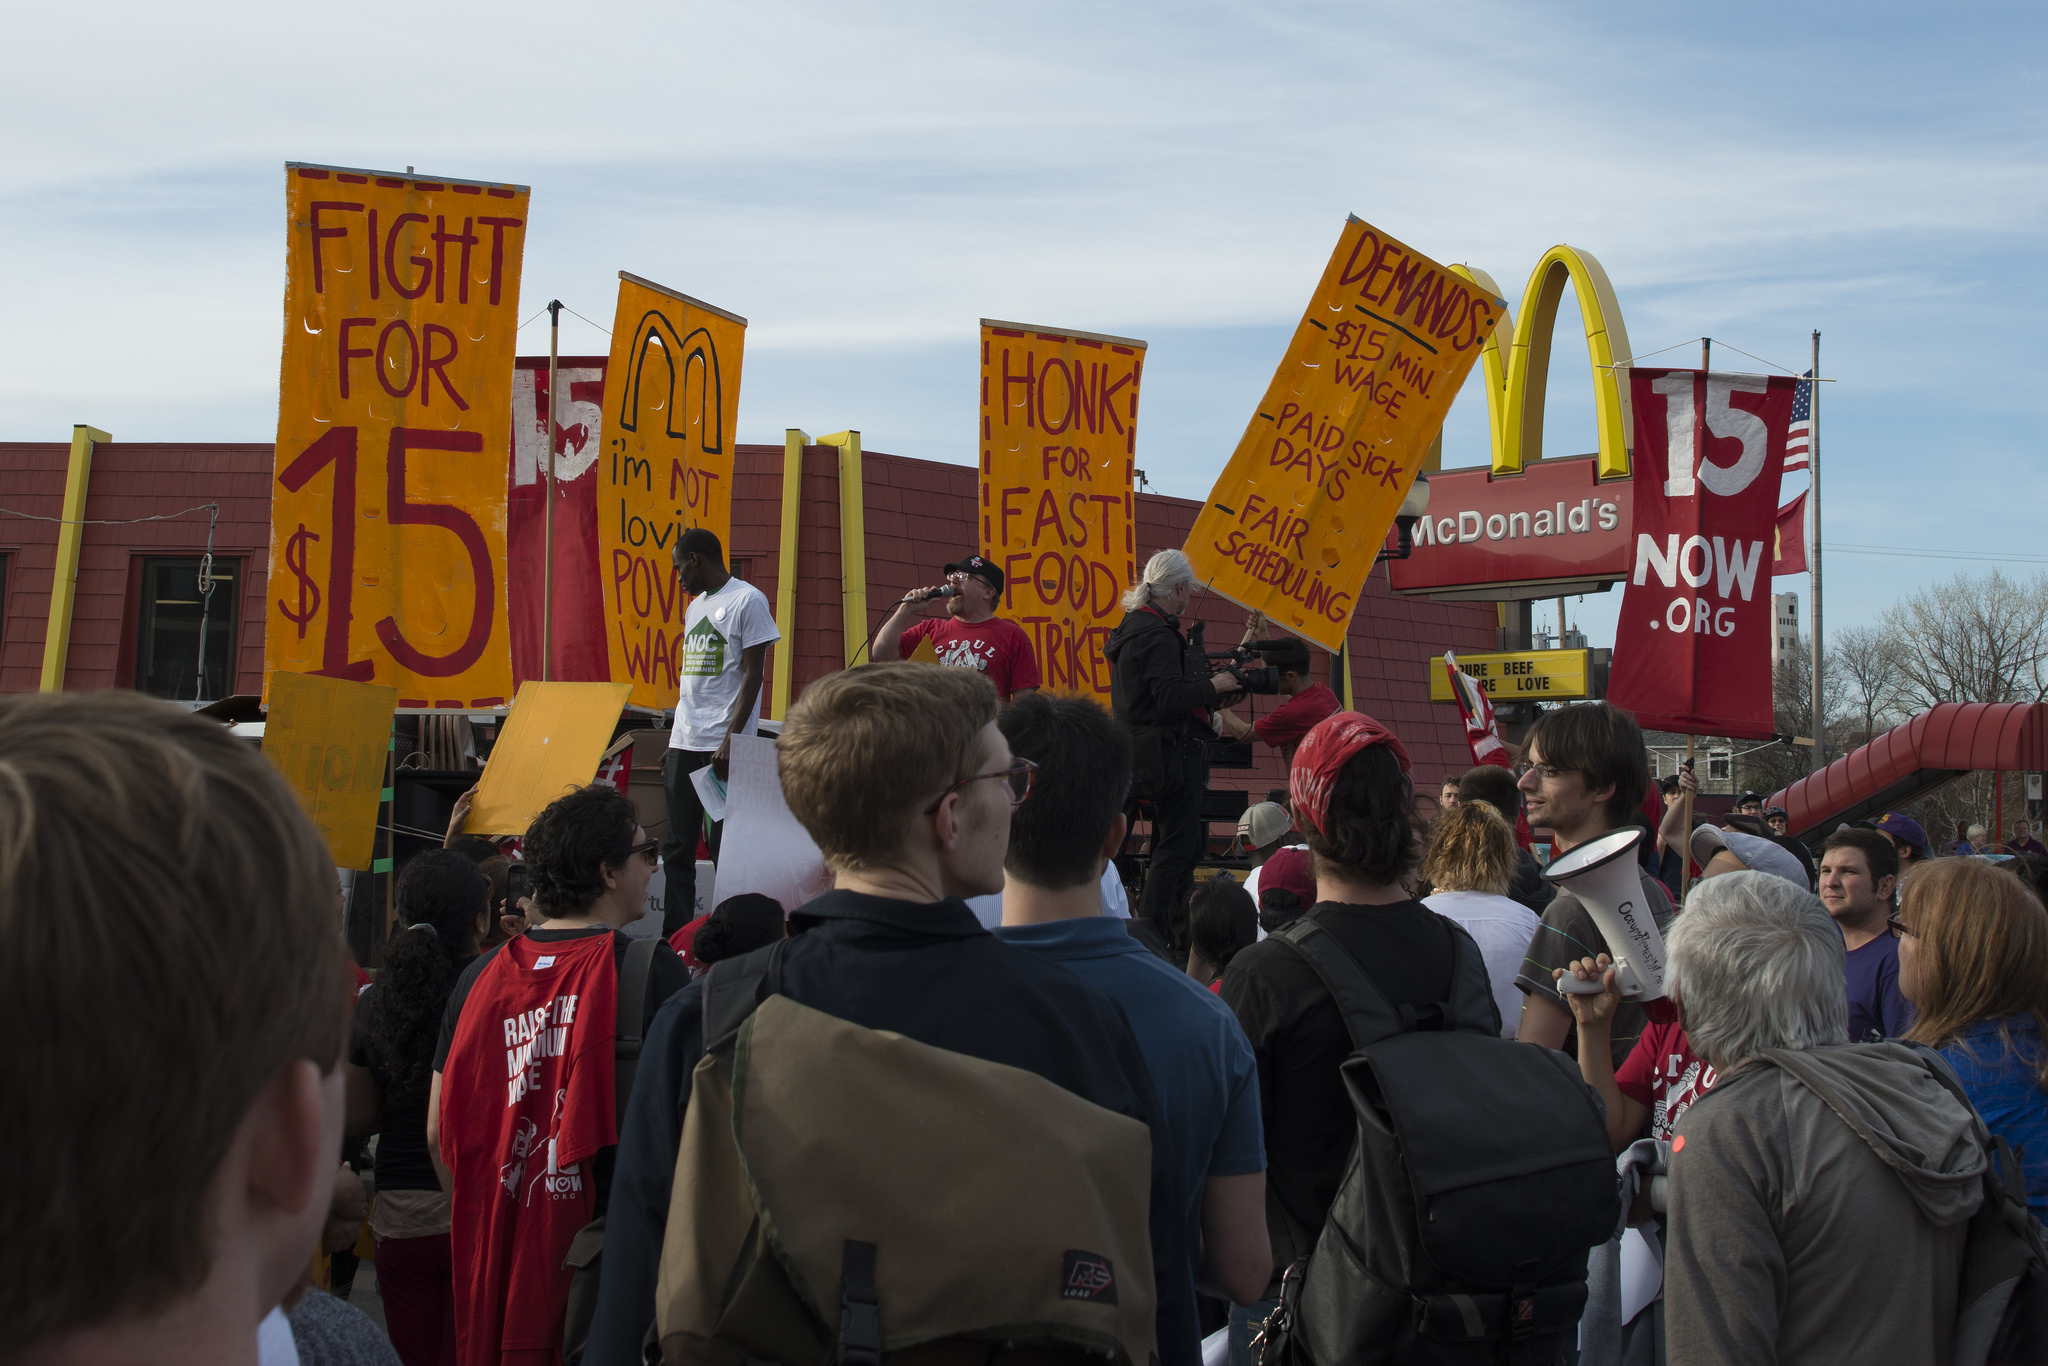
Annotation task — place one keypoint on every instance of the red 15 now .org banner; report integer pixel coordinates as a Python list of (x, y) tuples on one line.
[(387, 531), (1692, 652), (1059, 438)]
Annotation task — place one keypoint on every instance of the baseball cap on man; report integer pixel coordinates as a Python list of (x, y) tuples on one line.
[(980, 568), (1262, 823), (1756, 853), (1904, 829)]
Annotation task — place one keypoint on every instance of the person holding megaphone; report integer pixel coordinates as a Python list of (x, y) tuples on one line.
[(1583, 774)]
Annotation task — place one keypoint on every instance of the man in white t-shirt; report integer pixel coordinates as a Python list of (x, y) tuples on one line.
[(727, 629)]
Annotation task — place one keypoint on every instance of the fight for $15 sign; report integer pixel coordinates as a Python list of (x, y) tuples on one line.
[(1059, 439), (387, 532), (1297, 518), (672, 395)]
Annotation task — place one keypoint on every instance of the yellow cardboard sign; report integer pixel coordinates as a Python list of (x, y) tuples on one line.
[(1059, 439), (672, 397), (387, 530), (553, 740), (1520, 676), (329, 739), (1297, 518)]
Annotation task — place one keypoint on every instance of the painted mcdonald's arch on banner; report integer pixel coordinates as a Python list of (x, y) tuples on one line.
[(1524, 527)]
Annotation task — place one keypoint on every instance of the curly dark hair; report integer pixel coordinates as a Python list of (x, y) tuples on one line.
[(439, 898), (739, 925), (570, 844), (1371, 830)]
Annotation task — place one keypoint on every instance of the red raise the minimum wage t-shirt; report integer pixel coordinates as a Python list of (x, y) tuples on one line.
[(526, 1102)]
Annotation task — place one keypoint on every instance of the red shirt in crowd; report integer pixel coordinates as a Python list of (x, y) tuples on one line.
[(1663, 1073), (1284, 726), (526, 1102), (998, 647)]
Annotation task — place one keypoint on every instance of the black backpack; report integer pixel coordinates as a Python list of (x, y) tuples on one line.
[(1480, 1180)]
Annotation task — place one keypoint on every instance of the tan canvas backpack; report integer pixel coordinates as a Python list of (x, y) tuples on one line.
[(849, 1195)]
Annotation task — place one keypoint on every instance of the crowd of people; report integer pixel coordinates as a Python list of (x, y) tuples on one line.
[(889, 1123)]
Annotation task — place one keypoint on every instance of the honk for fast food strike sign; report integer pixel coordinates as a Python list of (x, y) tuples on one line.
[(1059, 433), (387, 532), (1295, 521)]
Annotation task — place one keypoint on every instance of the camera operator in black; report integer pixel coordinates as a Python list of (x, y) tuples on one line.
[(1158, 687)]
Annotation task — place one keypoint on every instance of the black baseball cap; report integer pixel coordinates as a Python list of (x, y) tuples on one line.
[(980, 568)]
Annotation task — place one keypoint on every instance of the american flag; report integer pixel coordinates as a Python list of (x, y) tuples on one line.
[(1799, 436)]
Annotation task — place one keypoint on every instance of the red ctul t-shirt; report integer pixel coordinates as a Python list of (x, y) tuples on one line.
[(1663, 1073), (1284, 726), (998, 647), (526, 1102)]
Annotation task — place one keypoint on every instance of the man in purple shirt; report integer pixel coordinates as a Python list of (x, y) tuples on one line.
[(2023, 841), (1858, 871)]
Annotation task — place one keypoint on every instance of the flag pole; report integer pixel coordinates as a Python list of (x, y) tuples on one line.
[(1820, 738), (547, 561)]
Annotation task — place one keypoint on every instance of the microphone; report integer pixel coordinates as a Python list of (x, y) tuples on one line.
[(933, 594)]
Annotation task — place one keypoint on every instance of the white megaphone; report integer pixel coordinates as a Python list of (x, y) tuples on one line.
[(1602, 874)]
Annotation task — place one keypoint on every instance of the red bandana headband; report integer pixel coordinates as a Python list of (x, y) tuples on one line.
[(1323, 753)]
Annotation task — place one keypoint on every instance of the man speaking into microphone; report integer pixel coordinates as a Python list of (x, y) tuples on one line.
[(958, 618)]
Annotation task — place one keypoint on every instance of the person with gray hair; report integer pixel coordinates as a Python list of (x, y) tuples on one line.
[(1820, 1193), (1157, 689)]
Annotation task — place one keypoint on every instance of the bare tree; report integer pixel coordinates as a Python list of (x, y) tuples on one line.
[(1972, 640), (1867, 661)]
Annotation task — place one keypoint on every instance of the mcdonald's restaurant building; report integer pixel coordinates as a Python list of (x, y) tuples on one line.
[(148, 611)]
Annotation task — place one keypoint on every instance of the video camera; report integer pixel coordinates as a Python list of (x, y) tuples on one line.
[(1246, 663)]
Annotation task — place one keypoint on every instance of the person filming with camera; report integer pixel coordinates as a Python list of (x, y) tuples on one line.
[(1307, 701), (1157, 688)]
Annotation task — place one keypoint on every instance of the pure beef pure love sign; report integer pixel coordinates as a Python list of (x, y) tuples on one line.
[(1692, 651)]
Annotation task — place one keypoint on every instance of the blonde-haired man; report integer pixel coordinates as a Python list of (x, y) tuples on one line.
[(900, 776)]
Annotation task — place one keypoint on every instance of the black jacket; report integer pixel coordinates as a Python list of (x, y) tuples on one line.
[(1148, 681)]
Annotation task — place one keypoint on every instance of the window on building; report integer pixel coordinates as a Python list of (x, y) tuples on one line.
[(1720, 766), (175, 616)]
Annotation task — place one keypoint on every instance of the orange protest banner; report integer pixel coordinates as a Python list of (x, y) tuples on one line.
[(672, 395), (1059, 437), (552, 741), (387, 532), (329, 737), (1297, 518)]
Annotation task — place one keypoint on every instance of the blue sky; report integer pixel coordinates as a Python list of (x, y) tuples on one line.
[(863, 182)]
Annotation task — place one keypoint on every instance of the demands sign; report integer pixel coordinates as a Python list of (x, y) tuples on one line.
[(672, 395), (1059, 437), (1292, 525), (387, 533)]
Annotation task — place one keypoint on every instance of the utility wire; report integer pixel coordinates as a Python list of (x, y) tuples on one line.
[(1922, 553), (109, 521)]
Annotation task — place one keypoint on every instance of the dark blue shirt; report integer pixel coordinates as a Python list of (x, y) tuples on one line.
[(1875, 1002), (933, 974), (1997, 1062), (1200, 1061)]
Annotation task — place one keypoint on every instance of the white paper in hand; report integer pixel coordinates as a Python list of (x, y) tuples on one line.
[(764, 849), (710, 791)]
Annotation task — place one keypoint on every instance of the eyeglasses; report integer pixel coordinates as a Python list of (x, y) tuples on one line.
[(1017, 780), (1544, 772), (1896, 927), (651, 851)]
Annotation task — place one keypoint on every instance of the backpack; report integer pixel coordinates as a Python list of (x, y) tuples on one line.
[(636, 971), (1480, 1179), (849, 1195), (2002, 1301)]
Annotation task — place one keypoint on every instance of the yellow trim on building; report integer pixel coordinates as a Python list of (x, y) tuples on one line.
[(793, 443), (70, 540)]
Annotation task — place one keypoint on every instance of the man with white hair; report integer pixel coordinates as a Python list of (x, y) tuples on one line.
[(1820, 1194), (1159, 692)]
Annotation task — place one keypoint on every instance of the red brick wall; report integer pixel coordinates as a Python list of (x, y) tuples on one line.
[(129, 480), (919, 515)]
